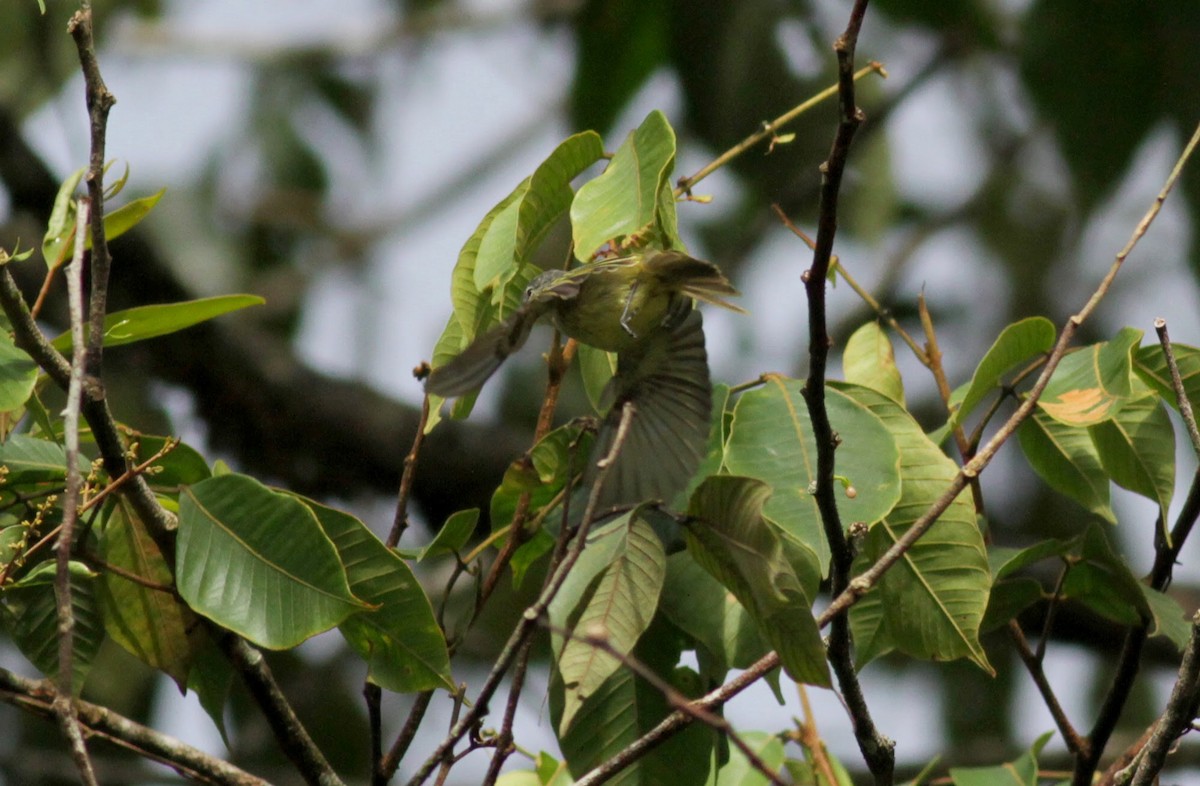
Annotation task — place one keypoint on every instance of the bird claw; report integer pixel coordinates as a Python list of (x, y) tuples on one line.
[(626, 314)]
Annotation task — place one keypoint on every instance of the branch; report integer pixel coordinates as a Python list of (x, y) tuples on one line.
[(63, 706), (529, 620), (861, 584), (1178, 716), (37, 697), (877, 750)]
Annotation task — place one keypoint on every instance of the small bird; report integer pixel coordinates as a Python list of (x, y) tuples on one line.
[(640, 307)]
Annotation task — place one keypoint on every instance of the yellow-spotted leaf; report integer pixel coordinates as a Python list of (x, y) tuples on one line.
[(1091, 384)]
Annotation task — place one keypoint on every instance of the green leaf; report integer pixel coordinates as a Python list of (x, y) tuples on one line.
[(1018, 343), (1091, 384), (552, 460), (1137, 450), (126, 217), (626, 199), (1102, 580), (31, 617), (1008, 599), (32, 460), (1151, 366), (399, 638), (210, 678), (1005, 562), (626, 707), (1021, 772), (738, 771), (257, 562), (730, 537), (517, 230), (18, 373), (453, 535), (143, 322), (869, 360), (617, 603), (181, 466), (699, 605), (930, 604), (60, 230), (771, 439), (1066, 458), (151, 624), (1169, 618)]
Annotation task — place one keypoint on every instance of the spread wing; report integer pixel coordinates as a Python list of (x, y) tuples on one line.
[(666, 378), (468, 370)]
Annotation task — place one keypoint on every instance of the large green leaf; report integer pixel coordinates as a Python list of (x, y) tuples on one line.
[(143, 322), (1066, 458), (1018, 343), (257, 562), (152, 624), (869, 360), (517, 230), (18, 373), (624, 708), (1137, 449), (627, 198), (1091, 384), (930, 604), (618, 602), (1102, 580), (1022, 772), (771, 439), (32, 460), (31, 617), (730, 537), (699, 605), (399, 638)]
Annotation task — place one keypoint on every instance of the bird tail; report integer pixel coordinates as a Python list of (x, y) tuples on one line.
[(695, 278)]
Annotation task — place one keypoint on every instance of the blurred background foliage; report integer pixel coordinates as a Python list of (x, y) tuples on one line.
[(333, 158)]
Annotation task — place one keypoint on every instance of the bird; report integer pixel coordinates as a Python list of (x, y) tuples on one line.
[(639, 306)]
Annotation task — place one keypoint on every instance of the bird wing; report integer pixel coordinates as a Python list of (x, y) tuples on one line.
[(666, 378)]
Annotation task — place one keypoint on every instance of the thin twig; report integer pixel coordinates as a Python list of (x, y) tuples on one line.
[(529, 620), (400, 520), (99, 102), (1181, 398), (1178, 715), (673, 697), (809, 738), (504, 737), (63, 706), (770, 129), (1075, 743)]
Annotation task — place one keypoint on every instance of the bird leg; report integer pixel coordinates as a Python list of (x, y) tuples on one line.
[(628, 312)]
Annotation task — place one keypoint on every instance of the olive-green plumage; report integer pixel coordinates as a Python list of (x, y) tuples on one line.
[(641, 308)]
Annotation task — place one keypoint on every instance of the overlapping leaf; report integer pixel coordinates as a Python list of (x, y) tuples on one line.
[(1018, 343), (1091, 384), (869, 360), (730, 537), (1066, 458), (257, 562), (633, 194), (931, 603), (771, 439), (612, 591), (1136, 447)]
